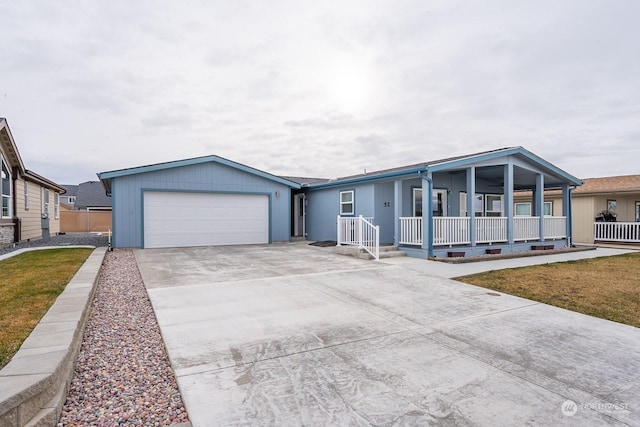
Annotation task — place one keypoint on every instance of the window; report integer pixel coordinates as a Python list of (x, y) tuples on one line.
[(71, 199), (493, 204), (417, 202), (45, 202), (6, 190), (438, 202), (56, 205), (637, 211), (478, 204), (612, 207), (523, 209), (346, 202), (26, 196)]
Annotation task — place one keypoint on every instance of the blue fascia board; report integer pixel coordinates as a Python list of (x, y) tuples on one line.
[(469, 161), (104, 176), (351, 181)]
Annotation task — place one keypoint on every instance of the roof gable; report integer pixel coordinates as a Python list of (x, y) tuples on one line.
[(608, 184), (106, 177)]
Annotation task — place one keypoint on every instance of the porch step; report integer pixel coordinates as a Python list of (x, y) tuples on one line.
[(354, 251)]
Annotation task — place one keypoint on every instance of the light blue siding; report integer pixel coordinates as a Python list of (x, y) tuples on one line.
[(204, 177), (384, 211), (323, 207)]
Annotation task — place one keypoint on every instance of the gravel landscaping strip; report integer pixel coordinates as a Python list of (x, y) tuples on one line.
[(70, 239), (122, 375)]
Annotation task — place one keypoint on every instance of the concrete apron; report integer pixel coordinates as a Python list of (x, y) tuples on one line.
[(293, 335)]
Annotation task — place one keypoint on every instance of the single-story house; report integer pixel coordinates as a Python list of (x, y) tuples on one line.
[(605, 209), (197, 202), (421, 208), (30, 202)]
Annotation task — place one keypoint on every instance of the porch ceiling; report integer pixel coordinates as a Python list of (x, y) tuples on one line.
[(523, 179)]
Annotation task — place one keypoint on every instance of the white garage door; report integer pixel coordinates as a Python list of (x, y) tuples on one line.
[(204, 219)]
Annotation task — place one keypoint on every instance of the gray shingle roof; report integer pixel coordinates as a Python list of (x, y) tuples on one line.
[(91, 194), (72, 189)]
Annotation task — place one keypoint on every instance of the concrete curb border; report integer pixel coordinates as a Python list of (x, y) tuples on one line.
[(34, 385)]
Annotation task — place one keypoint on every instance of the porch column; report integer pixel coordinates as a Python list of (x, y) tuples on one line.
[(427, 213), (397, 211), (539, 203), (566, 209), (508, 199), (471, 198)]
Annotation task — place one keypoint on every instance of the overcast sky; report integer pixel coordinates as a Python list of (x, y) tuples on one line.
[(319, 88)]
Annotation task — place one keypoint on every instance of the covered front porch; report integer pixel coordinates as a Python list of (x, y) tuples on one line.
[(466, 206), (441, 225)]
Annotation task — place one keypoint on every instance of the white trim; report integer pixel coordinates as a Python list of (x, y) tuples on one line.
[(352, 202), (9, 197)]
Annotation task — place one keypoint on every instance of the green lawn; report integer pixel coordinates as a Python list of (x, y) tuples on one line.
[(606, 287), (29, 285)]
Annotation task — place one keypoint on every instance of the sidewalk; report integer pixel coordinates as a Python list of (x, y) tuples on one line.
[(443, 269)]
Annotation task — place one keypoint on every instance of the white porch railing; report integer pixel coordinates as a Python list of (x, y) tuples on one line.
[(411, 230), (555, 227), (450, 230), (359, 231), (526, 228), (491, 229), (455, 230), (617, 231)]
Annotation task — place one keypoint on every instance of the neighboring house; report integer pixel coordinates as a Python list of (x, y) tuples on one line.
[(605, 209), (68, 199), (198, 202), (91, 211), (92, 196), (211, 200), (30, 202)]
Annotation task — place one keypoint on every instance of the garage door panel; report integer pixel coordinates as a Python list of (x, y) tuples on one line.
[(203, 219)]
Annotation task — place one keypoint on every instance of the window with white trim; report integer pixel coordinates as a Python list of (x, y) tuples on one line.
[(478, 203), (56, 205), (45, 201), (26, 196), (347, 202), (417, 202), (524, 209), (6, 190)]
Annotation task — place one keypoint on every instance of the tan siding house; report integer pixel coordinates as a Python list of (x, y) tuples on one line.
[(617, 197), (30, 202)]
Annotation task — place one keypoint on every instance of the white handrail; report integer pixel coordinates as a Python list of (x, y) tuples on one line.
[(449, 230), (526, 228), (359, 231), (491, 229), (555, 227), (411, 230), (617, 231)]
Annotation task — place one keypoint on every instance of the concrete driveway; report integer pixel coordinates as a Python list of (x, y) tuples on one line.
[(295, 335)]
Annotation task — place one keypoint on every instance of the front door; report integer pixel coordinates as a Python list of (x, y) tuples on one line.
[(298, 215)]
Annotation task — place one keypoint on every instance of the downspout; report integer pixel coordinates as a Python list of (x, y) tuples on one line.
[(570, 222), (422, 174)]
